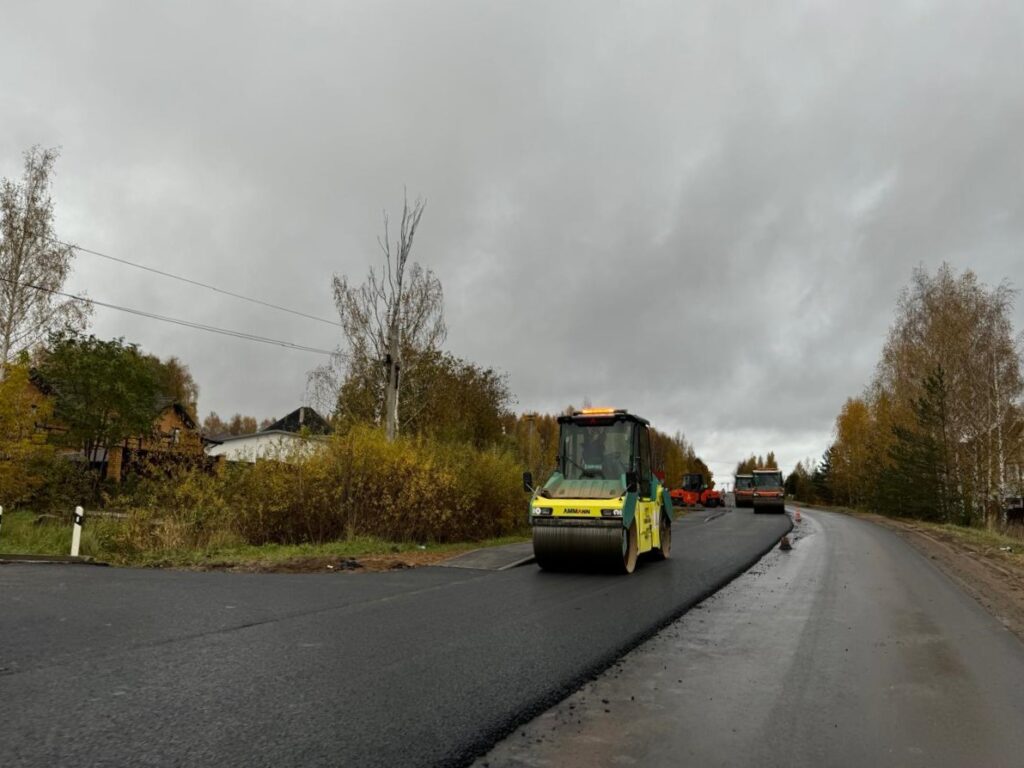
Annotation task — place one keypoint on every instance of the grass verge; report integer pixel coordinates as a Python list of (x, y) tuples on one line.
[(23, 533)]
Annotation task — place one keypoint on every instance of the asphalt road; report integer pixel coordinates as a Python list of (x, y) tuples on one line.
[(850, 650), (104, 666)]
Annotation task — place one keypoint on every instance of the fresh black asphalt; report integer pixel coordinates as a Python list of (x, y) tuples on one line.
[(852, 649), (420, 667)]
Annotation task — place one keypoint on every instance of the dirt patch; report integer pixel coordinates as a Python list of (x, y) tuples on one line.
[(992, 576), (335, 564)]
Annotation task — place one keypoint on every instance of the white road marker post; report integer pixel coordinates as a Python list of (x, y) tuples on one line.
[(1, 517), (76, 532)]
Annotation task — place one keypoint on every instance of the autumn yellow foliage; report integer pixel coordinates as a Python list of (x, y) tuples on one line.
[(24, 452), (356, 484)]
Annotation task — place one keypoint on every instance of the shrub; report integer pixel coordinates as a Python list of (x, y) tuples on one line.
[(361, 484), (185, 508), (356, 484), (66, 484)]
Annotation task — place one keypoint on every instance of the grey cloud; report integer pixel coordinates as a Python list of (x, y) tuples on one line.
[(703, 212)]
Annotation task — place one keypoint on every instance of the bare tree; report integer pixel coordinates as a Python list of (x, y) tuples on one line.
[(388, 321), (33, 264)]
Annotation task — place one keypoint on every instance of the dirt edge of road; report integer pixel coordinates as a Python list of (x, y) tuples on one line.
[(985, 573), (329, 563)]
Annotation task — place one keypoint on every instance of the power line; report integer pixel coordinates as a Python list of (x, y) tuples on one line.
[(175, 320), (198, 283)]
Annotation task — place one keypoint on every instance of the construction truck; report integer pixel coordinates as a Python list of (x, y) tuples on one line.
[(743, 490), (693, 491), (769, 491), (603, 506)]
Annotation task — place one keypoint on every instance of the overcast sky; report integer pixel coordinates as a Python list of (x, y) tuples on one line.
[(701, 211)]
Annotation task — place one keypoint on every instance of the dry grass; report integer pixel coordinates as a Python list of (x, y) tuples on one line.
[(23, 533)]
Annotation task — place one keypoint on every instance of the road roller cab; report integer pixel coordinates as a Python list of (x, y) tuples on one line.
[(603, 506)]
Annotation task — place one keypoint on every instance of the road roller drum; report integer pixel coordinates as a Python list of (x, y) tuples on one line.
[(584, 548)]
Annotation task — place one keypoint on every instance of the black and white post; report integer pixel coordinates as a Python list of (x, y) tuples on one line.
[(1, 518), (76, 531)]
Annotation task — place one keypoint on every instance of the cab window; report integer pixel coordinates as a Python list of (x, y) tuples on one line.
[(644, 468)]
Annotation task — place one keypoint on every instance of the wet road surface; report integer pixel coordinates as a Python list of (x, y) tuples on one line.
[(106, 666), (849, 650)]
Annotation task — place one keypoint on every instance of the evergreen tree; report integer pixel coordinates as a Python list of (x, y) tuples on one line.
[(822, 477), (920, 479)]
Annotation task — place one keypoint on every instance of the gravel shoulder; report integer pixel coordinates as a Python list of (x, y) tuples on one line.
[(994, 578)]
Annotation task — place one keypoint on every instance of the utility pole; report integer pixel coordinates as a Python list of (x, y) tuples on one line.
[(531, 420)]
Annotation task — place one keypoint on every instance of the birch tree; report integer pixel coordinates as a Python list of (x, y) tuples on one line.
[(389, 321), (852, 465), (954, 324), (33, 264)]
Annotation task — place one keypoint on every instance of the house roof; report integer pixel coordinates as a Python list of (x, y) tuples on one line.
[(262, 433), (163, 403), (301, 418), (41, 384)]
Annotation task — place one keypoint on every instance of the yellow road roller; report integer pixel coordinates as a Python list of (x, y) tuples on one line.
[(603, 506)]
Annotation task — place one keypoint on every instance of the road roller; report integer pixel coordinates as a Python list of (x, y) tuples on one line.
[(769, 491), (603, 506), (743, 490)]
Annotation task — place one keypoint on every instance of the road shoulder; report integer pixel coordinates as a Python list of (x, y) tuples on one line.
[(992, 578)]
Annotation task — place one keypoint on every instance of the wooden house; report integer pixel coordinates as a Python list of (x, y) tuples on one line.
[(174, 440)]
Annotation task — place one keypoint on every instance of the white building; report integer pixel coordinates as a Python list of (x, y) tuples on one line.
[(297, 434)]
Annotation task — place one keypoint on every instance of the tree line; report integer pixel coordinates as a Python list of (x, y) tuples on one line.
[(938, 433), (754, 461)]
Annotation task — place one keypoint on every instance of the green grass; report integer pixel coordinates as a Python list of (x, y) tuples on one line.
[(21, 534), (979, 538)]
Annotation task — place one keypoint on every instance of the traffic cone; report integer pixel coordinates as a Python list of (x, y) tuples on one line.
[(796, 516)]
